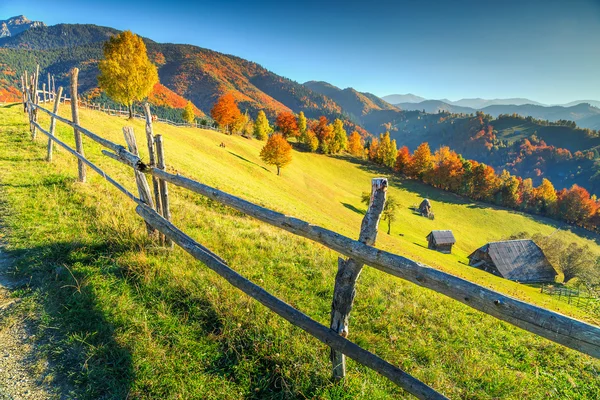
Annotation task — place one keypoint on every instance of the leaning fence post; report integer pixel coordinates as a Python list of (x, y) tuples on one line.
[(24, 90), (140, 178), (164, 191), (53, 125), (75, 115), (152, 154), (349, 271), (36, 101)]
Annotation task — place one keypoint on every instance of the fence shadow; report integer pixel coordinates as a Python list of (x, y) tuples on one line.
[(85, 348), (352, 208)]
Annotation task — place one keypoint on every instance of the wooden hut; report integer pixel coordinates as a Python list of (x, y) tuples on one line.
[(441, 241), (516, 260)]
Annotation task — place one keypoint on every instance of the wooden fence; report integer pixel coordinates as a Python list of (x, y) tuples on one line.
[(154, 210)]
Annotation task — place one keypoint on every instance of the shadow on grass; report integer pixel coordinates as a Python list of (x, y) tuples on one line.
[(84, 357), (352, 208), (245, 159)]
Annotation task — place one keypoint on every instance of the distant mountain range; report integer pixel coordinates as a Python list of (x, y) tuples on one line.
[(15, 25), (584, 114), (479, 103)]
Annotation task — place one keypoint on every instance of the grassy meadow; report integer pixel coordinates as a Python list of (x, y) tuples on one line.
[(121, 317)]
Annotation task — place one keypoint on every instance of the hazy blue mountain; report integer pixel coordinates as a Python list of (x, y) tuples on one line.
[(403, 98), (479, 103)]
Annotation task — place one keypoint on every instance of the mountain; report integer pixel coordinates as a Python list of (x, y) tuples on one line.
[(435, 106), (403, 98), (594, 103), (479, 103), (15, 25), (355, 103)]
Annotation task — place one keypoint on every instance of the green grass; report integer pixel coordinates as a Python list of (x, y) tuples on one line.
[(136, 320)]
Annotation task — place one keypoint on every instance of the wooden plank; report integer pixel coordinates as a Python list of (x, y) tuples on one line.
[(164, 190), (131, 159), (295, 317), (53, 125), (75, 116), (348, 272), (559, 328), (90, 164), (140, 178)]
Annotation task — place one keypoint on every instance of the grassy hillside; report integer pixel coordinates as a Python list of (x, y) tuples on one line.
[(136, 321)]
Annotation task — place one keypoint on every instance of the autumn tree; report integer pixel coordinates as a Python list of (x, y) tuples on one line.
[(325, 138), (448, 170), (386, 153), (225, 112), (302, 126), (575, 205), (485, 182), (422, 161), (286, 124), (339, 141), (277, 152), (403, 160), (355, 145), (126, 73), (544, 197), (577, 262), (261, 126), (526, 191), (508, 195), (240, 124), (373, 150), (188, 113), (309, 138)]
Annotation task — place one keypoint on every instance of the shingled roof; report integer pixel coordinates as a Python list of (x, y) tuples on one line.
[(520, 260), (442, 237)]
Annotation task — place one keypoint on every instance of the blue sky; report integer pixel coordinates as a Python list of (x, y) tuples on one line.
[(545, 50)]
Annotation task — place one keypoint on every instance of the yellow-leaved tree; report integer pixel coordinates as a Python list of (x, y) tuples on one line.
[(188, 113), (126, 73)]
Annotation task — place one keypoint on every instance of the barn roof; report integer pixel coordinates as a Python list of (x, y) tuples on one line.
[(519, 260), (442, 237)]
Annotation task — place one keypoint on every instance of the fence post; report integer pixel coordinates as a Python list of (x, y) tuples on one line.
[(152, 154), (349, 271), (164, 191), (24, 90), (75, 115), (53, 125), (53, 86), (35, 100), (140, 178), (50, 97)]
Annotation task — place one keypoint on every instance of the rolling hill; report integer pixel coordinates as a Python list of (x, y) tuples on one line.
[(142, 322)]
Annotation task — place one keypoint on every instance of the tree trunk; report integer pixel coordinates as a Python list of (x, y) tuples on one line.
[(278, 170), (130, 108), (389, 226)]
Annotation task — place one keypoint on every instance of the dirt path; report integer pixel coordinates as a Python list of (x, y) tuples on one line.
[(21, 372)]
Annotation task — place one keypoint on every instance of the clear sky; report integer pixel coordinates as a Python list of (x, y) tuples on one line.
[(545, 50)]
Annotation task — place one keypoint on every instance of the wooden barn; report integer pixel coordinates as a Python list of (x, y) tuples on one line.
[(441, 241), (516, 260)]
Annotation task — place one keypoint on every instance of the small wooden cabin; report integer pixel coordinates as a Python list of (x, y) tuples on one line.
[(441, 241), (516, 260)]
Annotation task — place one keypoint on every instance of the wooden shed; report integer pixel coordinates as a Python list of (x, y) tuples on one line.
[(441, 241), (516, 260)]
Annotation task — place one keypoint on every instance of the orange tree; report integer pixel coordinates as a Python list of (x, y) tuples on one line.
[(277, 152), (225, 111), (287, 124)]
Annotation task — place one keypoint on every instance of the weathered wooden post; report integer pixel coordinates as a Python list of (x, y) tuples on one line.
[(36, 101), (349, 271), (53, 86), (75, 115), (140, 178), (24, 91), (53, 124), (152, 156), (50, 97), (164, 191)]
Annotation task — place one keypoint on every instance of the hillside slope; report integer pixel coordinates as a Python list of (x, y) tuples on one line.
[(146, 323)]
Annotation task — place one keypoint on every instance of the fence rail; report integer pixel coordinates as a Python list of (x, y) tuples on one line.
[(559, 328)]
